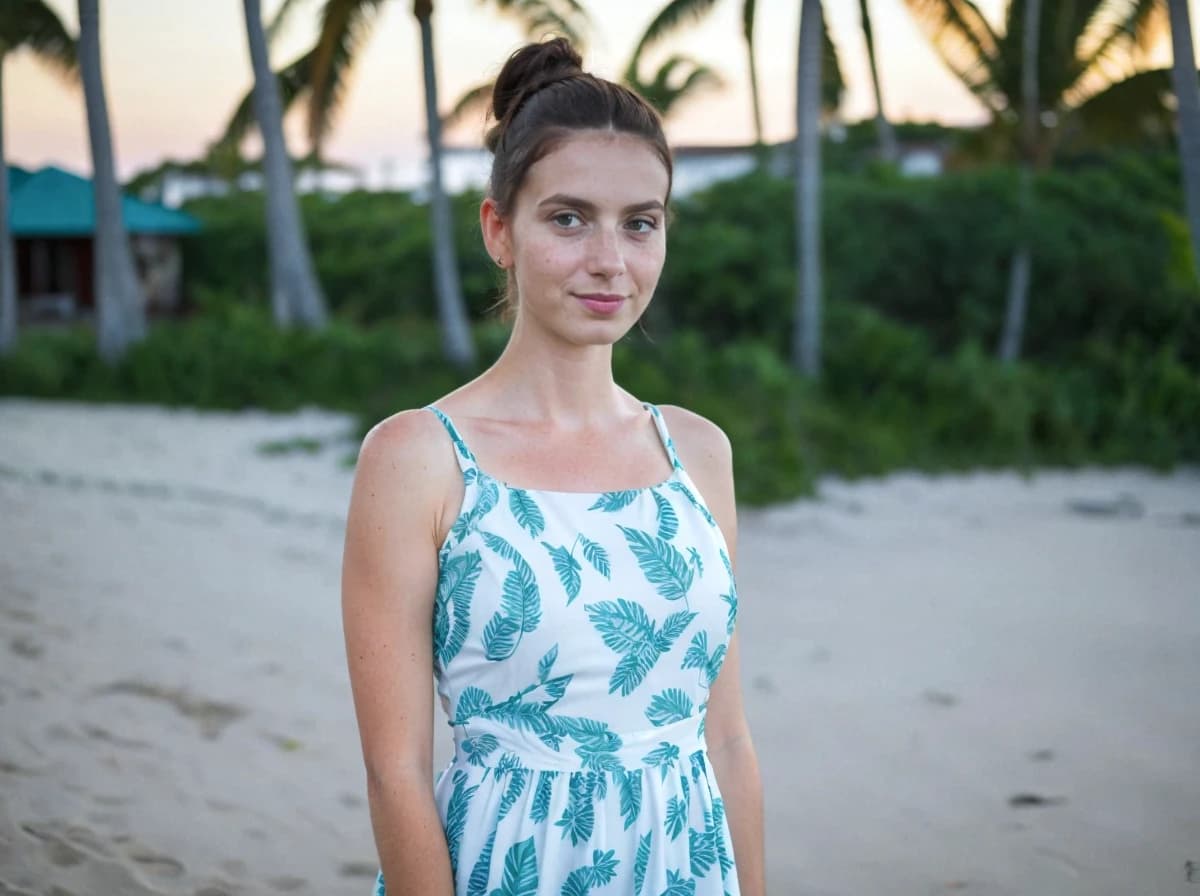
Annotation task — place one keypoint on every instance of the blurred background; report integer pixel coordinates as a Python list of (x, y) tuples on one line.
[(947, 245)]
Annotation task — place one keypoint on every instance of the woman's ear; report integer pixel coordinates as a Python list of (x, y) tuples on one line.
[(496, 234)]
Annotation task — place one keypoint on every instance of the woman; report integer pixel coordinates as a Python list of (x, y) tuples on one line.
[(569, 547)]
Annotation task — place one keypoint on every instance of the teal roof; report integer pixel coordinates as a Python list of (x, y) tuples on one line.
[(53, 202)]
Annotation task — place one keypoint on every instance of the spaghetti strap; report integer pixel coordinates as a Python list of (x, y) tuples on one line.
[(661, 425), (466, 460)]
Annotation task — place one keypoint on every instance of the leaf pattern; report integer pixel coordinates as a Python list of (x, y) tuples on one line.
[(520, 871), (611, 502), (672, 705), (668, 520), (501, 630), (526, 512), (568, 568), (595, 554), (664, 567)]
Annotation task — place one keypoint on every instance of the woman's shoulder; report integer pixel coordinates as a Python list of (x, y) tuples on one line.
[(408, 445), (697, 439)]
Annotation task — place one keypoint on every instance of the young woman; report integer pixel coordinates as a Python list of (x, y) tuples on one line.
[(557, 555)]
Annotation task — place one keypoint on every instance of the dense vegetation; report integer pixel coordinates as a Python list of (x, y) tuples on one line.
[(916, 273)]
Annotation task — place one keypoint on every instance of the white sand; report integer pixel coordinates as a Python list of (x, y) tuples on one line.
[(175, 714)]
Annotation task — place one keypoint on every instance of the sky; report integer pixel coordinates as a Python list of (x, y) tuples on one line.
[(175, 69)]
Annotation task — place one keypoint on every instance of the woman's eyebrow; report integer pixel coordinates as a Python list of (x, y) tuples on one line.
[(584, 205)]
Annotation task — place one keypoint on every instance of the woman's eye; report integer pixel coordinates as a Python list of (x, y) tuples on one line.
[(643, 225), (564, 218)]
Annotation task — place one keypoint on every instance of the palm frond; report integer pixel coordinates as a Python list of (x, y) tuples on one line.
[(34, 25), (345, 27), (538, 18), (678, 79), (1136, 110), (670, 18), (965, 41), (833, 84), (1112, 44), (293, 82), (471, 100)]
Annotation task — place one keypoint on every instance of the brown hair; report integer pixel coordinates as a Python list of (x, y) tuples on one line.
[(543, 94)]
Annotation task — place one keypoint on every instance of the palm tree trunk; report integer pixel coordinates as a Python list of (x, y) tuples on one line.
[(296, 295), (120, 303), (1187, 91), (748, 36), (1020, 273), (888, 151), (457, 344), (806, 337), (8, 268)]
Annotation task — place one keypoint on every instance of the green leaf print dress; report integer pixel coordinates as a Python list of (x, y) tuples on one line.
[(576, 636)]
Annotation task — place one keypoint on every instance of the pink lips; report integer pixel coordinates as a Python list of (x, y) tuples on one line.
[(602, 303)]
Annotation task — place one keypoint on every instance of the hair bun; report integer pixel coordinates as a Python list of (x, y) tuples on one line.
[(527, 71)]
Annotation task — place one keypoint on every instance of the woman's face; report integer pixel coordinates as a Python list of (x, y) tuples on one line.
[(586, 237)]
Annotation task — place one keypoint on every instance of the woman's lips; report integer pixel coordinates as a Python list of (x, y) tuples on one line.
[(601, 303)]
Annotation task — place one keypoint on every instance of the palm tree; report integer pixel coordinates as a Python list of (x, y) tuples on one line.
[(681, 12), (319, 77), (1187, 89), (295, 293), (1054, 73), (806, 335), (24, 24), (888, 151), (120, 303), (1086, 51), (1009, 348)]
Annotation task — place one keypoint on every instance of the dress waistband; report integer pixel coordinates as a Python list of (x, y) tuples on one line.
[(579, 745)]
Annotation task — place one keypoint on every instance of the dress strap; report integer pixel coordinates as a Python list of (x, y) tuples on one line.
[(661, 425), (466, 460)]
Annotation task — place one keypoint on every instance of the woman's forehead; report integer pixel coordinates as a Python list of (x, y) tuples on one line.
[(604, 167)]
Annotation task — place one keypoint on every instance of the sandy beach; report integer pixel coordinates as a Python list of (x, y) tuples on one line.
[(977, 684)]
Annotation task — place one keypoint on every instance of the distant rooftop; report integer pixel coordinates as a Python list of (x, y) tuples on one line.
[(53, 202)]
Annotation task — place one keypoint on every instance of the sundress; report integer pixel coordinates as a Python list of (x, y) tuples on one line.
[(576, 636)]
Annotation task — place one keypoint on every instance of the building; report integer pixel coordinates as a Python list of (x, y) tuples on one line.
[(53, 224)]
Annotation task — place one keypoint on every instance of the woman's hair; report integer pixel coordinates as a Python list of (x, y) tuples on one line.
[(540, 97)]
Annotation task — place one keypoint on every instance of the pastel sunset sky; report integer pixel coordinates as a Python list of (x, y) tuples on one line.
[(175, 69)]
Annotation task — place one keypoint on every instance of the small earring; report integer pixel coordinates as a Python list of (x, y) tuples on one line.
[(500, 260)]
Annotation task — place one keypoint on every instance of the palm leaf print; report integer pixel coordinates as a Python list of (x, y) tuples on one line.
[(595, 554), (641, 863), (500, 637), (662, 757), (611, 502), (668, 520), (697, 653), (678, 885), (693, 500), (526, 512), (477, 885), (731, 599), (489, 495), (479, 748), (520, 604), (568, 569), (541, 797), (703, 848), (602, 870), (520, 871), (627, 629), (631, 795), (718, 825), (579, 816), (673, 626), (516, 785), (676, 816), (547, 662), (471, 702), (672, 705), (697, 563), (456, 814), (662, 564), (519, 598), (456, 587)]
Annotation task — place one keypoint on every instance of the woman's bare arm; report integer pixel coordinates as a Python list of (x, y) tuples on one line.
[(705, 451), (389, 578)]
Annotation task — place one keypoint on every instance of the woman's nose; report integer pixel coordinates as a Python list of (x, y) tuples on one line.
[(605, 257)]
